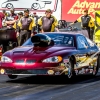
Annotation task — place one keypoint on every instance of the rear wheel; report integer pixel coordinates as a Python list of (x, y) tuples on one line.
[(12, 76)]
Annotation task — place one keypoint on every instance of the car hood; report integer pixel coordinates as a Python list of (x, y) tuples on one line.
[(37, 53)]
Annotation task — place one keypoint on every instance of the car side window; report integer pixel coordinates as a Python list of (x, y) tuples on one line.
[(82, 42), (91, 44)]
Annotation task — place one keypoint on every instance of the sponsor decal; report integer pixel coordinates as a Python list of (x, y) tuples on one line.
[(86, 70), (66, 60), (57, 73), (76, 65), (76, 8), (82, 71), (90, 66), (91, 70), (79, 6), (76, 71)]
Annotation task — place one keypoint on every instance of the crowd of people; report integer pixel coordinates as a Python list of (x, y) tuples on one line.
[(26, 25), (87, 23)]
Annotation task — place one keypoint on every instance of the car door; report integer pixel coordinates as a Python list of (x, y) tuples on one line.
[(86, 59), (83, 50), (92, 46), (82, 45)]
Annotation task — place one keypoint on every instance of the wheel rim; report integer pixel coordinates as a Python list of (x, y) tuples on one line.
[(35, 6), (95, 68), (9, 5), (69, 71)]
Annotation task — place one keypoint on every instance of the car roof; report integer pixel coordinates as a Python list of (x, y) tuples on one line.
[(69, 33)]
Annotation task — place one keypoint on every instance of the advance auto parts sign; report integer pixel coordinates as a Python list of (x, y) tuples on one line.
[(71, 10)]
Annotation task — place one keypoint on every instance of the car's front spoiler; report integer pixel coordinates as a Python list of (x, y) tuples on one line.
[(25, 72)]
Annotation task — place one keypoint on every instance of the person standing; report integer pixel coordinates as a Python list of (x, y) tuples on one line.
[(48, 23), (36, 17), (25, 27), (1, 18), (4, 19), (87, 23), (11, 18), (16, 27)]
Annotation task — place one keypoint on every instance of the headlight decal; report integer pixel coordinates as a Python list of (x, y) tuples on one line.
[(54, 59), (6, 59)]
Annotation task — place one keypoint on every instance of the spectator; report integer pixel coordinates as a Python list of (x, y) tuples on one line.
[(87, 23), (48, 23), (1, 19), (11, 18), (4, 12), (12, 14), (26, 27), (4, 19), (16, 27), (35, 16), (20, 15)]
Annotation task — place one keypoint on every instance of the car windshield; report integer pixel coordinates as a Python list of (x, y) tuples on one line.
[(59, 39)]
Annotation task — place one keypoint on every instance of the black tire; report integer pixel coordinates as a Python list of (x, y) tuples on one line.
[(97, 68), (12, 76), (35, 6), (71, 72), (9, 6)]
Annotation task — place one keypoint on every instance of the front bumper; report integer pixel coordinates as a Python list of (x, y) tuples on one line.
[(34, 69), (25, 72), (49, 71)]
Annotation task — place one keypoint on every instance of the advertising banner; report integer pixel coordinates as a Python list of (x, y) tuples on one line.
[(38, 6), (71, 10)]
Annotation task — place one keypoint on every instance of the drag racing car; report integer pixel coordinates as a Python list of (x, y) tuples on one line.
[(52, 53)]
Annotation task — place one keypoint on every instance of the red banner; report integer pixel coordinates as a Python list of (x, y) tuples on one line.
[(73, 9)]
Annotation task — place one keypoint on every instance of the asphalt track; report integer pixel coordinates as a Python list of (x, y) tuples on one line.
[(50, 88)]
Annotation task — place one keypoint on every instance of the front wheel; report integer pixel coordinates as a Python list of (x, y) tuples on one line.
[(71, 72), (12, 76)]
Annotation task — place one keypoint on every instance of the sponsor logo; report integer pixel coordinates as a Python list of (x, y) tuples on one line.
[(57, 73), (91, 70), (76, 71), (66, 60), (79, 6)]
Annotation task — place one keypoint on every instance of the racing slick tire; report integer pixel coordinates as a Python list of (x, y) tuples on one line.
[(97, 68), (12, 76), (71, 72)]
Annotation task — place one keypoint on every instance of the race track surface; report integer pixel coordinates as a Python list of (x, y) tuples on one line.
[(50, 88)]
